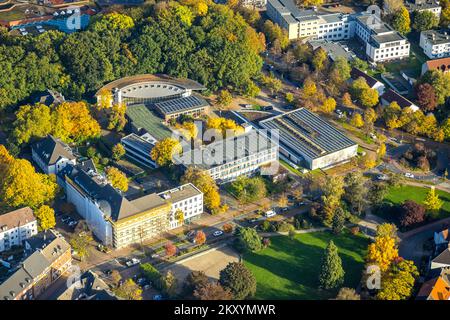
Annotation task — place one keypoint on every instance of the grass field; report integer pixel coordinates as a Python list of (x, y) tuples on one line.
[(399, 195), (289, 269)]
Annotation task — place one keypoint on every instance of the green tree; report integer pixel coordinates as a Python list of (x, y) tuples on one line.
[(169, 284), (239, 280), (112, 21), (247, 239), (129, 290), (355, 191), (338, 221), (340, 70), (425, 20), (224, 98), (319, 59), (118, 151), (331, 273), (80, 244), (332, 191)]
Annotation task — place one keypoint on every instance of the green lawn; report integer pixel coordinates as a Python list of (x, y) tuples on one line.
[(289, 269), (399, 195)]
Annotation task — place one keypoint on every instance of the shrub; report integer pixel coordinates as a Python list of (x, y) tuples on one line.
[(412, 213), (266, 226), (285, 227), (227, 228), (354, 230)]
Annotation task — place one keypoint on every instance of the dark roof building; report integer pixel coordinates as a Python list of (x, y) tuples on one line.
[(89, 287), (49, 97), (308, 140), (190, 105), (390, 96), (51, 154), (437, 288)]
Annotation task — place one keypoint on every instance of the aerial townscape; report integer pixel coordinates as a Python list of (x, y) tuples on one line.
[(224, 150)]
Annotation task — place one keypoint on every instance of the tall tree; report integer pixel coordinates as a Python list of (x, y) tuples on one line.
[(239, 280), (398, 284), (331, 273), (247, 239), (426, 96), (338, 221), (432, 201), (382, 252), (164, 151), (355, 191), (46, 217), (347, 294), (401, 21), (425, 20)]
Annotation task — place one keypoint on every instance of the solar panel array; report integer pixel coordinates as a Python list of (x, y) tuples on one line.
[(180, 104), (308, 134)]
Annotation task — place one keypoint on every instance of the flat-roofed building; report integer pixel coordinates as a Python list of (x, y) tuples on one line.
[(225, 160), (424, 5), (435, 43), (309, 141), (15, 227), (39, 270), (192, 105)]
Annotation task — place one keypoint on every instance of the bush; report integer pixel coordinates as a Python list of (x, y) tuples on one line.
[(284, 227), (305, 224), (266, 226), (412, 213), (227, 228), (354, 230), (266, 242)]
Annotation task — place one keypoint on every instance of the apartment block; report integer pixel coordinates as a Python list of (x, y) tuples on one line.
[(15, 227), (435, 43)]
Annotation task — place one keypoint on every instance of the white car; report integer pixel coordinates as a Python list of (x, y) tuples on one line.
[(409, 175), (217, 233), (133, 262)]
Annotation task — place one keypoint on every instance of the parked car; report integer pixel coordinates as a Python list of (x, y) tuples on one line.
[(270, 213), (132, 262), (267, 108), (155, 256), (409, 175), (284, 209), (72, 223), (146, 287), (190, 234), (103, 248), (217, 233), (157, 297), (382, 177)]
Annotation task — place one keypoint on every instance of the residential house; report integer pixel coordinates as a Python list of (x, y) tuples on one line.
[(442, 65), (437, 288), (88, 287), (15, 227), (442, 260), (52, 155), (373, 83)]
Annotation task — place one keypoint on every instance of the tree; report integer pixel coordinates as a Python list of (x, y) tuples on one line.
[(369, 161), (401, 21), (224, 98), (247, 239), (248, 190), (283, 201), (331, 272), (200, 238), (72, 122), (115, 277), (309, 88), (105, 99), (129, 290), (150, 273), (338, 221), (426, 96), (118, 151), (357, 87), (329, 105), (355, 191), (32, 122), (319, 59), (332, 192), (398, 284), (80, 244), (46, 218), (377, 193), (347, 294), (432, 201), (206, 184), (392, 6), (117, 119), (239, 280), (391, 115), (21, 185), (117, 178), (272, 83), (425, 20), (169, 284), (170, 249), (347, 100), (340, 70), (387, 230), (274, 33), (113, 21), (289, 97), (212, 291), (224, 125), (412, 213), (164, 150), (357, 120), (194, 280), (179, 216), (382, 252), (369, 98)]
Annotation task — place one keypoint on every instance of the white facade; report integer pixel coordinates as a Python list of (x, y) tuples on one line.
[(435, 44), (15, 235), (90, 211), (60, 164)]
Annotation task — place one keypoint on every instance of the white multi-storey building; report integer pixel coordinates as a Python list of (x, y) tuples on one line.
[(424, 5), (15, 227), (382, 43), (227, 159), (435, 43)]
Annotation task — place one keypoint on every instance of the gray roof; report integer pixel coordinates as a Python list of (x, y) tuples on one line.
[(333, 49), (443, 257), (390, 96), (138, 143), (172, 106), (90, 287), (226, 150), (437, 36), (307, 133), (421, 5), (50, 150), (356, 73), (388, 37), (185, 191)]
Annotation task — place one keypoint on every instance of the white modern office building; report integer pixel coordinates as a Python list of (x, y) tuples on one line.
[(424, 5), (435, 43), (227, 159), (15, 227)]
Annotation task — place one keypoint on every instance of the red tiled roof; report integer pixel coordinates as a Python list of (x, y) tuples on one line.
[(16, 218), (439, 64)]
